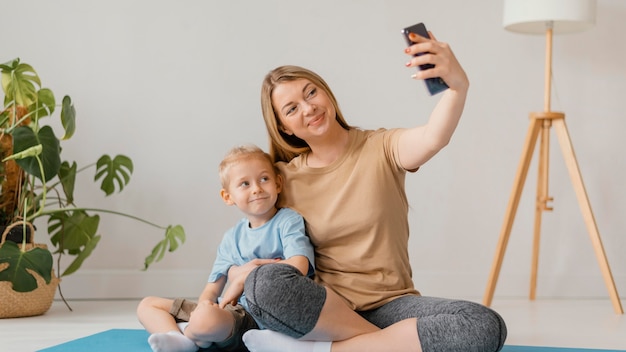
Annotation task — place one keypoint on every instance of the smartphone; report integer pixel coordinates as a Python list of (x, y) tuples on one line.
[(436, 84)]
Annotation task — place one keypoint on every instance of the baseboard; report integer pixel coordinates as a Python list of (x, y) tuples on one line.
[(129, 284), (125, 284), (567, 286)]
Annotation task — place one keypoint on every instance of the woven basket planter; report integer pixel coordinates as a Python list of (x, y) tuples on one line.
[(25, 304)]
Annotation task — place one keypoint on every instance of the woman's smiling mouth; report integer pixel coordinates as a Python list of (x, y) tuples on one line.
[(316, 120)]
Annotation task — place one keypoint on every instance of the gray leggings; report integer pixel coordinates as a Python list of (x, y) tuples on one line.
[(286, 301)]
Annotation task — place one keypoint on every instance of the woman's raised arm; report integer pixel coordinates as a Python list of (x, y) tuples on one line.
[(419, 144)]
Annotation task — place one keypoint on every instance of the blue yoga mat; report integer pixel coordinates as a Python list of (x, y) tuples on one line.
[(136, 340), (118, 340)]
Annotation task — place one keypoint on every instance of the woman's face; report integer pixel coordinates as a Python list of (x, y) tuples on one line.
[(303, 109)]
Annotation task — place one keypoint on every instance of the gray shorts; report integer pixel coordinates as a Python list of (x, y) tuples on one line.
[(181, 311)]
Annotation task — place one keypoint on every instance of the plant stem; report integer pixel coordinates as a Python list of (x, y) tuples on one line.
[(50, 212), (77, 171)]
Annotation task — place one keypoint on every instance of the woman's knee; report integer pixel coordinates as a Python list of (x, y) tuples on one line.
[(270, 284), (499, 327), (490, 325), (283, 299), (452, 324)]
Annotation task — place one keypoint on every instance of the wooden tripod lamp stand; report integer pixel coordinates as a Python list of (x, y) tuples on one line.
[(539, 17)]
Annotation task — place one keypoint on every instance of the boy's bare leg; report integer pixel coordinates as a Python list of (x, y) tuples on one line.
[(153, 313), (209, 323)]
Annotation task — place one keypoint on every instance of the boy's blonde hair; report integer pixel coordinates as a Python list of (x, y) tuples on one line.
[(239, 153)]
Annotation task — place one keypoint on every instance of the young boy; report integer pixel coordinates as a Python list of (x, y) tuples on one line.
[(266, 235)]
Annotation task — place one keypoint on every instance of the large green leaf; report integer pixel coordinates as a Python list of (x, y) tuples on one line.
[(68, 117), (115, 171), (19, 82), (173, 235), (4, 116), (71, 231), (38, 260), (24, 138), (84, 254), (9, 65), (74, 233), (44, 105), (67, 175)]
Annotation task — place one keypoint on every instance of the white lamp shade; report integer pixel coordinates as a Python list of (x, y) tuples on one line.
[(534, 16)]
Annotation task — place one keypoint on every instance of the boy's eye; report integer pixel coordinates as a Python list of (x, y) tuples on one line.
[(265, 179), (244, 184)]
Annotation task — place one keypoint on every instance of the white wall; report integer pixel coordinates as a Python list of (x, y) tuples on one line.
[(174, 84)]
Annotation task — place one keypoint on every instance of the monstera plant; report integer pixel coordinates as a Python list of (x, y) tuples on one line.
[(37, 183)]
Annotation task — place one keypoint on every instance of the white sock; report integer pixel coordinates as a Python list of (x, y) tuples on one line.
[(182, 325), (272, 341), (172, 341)]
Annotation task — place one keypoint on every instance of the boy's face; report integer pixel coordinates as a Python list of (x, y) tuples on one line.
[(253, 187)]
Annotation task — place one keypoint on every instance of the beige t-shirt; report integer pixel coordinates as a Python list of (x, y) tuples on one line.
[(356, 216)]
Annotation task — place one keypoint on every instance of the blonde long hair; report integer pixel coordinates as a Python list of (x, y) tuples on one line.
[(284, 147)]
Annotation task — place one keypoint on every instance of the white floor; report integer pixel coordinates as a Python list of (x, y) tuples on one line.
[(558, 323)]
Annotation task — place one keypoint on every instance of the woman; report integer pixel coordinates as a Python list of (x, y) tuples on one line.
[(349, 186)]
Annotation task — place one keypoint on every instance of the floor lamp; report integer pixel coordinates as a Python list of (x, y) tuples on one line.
[(548, 17)]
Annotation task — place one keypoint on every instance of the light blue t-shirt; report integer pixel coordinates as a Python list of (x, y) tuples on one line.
[(282, 237)]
